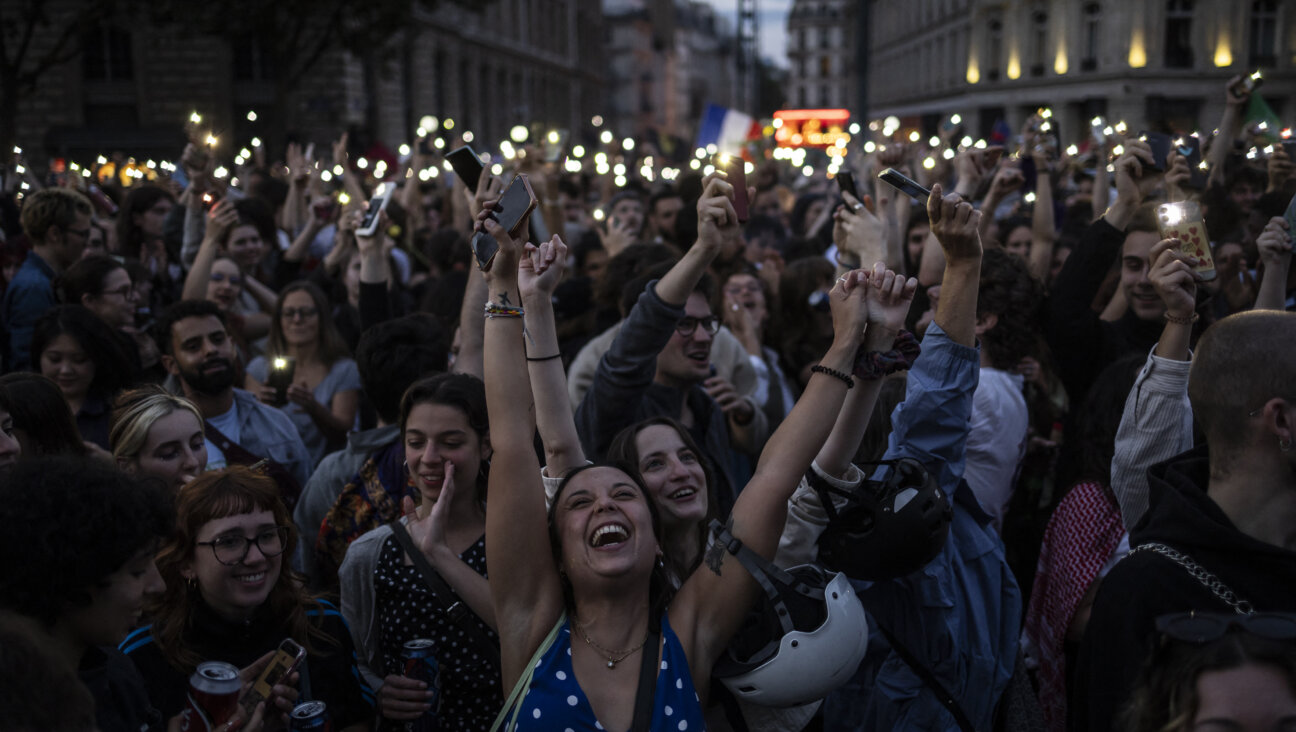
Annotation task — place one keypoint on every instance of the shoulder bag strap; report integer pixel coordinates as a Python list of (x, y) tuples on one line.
[(1240, 605), (514, 701), (645, 696), (458, 611), (942, 695)]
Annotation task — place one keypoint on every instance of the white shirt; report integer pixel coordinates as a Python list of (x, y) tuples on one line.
[(228, 424), (997, 440)]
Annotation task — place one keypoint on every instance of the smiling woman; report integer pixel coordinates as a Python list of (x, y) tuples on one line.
[(231, 597)]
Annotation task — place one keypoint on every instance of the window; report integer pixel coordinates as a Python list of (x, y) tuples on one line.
[(251, 62), (825, 66), (106, 54), (1178, 35), (1092, 20), (994, 49), (1264, 31), (1039, 41)]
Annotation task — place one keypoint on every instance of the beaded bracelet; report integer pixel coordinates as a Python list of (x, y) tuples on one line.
[(495, 310), (1178, 320), (843, 377), (874, 365)]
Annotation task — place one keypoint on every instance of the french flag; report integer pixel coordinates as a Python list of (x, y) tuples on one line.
[(727, 129)]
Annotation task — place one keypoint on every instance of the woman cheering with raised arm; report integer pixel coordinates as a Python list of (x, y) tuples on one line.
[(592, 572)]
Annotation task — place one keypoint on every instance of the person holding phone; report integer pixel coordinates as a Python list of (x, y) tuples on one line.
[(588, 578), (324, 395), (230, 596)]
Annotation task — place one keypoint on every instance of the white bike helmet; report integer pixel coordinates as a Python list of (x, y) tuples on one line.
[(804, 638)]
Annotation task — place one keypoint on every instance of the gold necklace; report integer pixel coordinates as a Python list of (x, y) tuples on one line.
[(613, 657)]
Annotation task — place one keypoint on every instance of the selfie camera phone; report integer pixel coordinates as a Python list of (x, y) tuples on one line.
[(1190, 148), (466, 165), (1291, 220), (286, 660), (555, 145), (1183, 221), (377, 204), (515, 206), (846, 183), (1160, 144), (903, 183), (282, 371), (735, 169)]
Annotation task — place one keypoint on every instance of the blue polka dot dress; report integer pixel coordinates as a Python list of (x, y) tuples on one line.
[(555, 702)]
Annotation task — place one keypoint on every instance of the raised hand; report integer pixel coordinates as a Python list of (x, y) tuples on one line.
[(715, 213), (1173, 277), (618, 236), (1176, 176), (1132, 179), (511, 248), (858, 231), (1275, 244), (956, 226), (429, 531), (888, 297), (1008, 179), (220, 220), (541, 268), (849, 310)]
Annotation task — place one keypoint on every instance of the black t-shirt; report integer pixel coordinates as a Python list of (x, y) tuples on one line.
[(121, 698), (328, 674)]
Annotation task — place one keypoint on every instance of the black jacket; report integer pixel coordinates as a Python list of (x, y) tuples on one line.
[(1146, 585)]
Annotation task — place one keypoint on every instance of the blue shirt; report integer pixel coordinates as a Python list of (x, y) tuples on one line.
[(961, 614), (555, 701), (28, 296)]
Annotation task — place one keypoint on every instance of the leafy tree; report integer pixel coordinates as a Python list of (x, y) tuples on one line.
[(37, 36)]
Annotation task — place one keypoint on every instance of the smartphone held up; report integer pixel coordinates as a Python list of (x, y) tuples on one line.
[(1183, 221), (512, 210), (904, 184)]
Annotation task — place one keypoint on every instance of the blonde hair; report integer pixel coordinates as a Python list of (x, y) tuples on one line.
[(134, 413)]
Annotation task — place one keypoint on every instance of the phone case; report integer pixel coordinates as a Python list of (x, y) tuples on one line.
[(737, 170), (846, 182), (286, 659), (1183, 221), (466, 165), (1160, 144), (898, 180)]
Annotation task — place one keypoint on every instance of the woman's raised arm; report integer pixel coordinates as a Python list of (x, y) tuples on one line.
[(525, 587)]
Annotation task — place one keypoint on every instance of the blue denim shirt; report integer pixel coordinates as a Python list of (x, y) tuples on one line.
[(961, 614), (28, 296)]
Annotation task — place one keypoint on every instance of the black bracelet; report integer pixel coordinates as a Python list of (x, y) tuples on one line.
[(545, 358), (844, 377)]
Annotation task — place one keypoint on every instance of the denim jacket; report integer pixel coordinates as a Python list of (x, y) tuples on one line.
[(961, 614), (27, 298)]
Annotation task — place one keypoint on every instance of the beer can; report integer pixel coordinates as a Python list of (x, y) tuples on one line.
[(310, 716), (421, 665), (213, 697)]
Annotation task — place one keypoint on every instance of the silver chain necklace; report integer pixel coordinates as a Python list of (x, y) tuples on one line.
[(1201, 574)]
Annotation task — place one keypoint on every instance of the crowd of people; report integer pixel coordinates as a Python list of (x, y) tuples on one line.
[(1015, 455)]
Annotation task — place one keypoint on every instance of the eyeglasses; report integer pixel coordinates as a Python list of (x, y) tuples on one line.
[(752, 287), (305, 313), (233, 279), (125, 291), (1195, 627), (688, 325), (233, 549)]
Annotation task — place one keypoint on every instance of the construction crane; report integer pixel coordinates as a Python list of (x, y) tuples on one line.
[(748, 57)]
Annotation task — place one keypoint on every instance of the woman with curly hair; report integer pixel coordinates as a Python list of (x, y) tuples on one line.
[(86, 535), (231, 597)]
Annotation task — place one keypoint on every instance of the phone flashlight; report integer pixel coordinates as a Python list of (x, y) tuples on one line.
[(1173, 213)]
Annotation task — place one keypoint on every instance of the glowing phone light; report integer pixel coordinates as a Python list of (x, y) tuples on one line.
[(578, 151), (256, 142), (468, 136), (251, 116), (518, 134), (195, 118), (606, 137)]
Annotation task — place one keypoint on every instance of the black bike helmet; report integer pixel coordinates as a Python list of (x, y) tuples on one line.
[(893, 523)]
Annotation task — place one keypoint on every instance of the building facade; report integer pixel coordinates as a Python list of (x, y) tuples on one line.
[(666, 61), (822, 51), (488, 67), (1151, 63)]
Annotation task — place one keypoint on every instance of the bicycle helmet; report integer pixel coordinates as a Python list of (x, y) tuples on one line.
[(804, 638), (893, 523)]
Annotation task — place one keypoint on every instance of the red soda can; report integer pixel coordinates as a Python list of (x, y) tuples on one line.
[(213, 697), (310, 716)]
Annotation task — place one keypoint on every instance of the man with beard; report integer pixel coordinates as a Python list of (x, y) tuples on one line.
[(240, 430)]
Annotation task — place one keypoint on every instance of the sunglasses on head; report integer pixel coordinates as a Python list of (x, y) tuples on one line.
[(1195, 627)]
